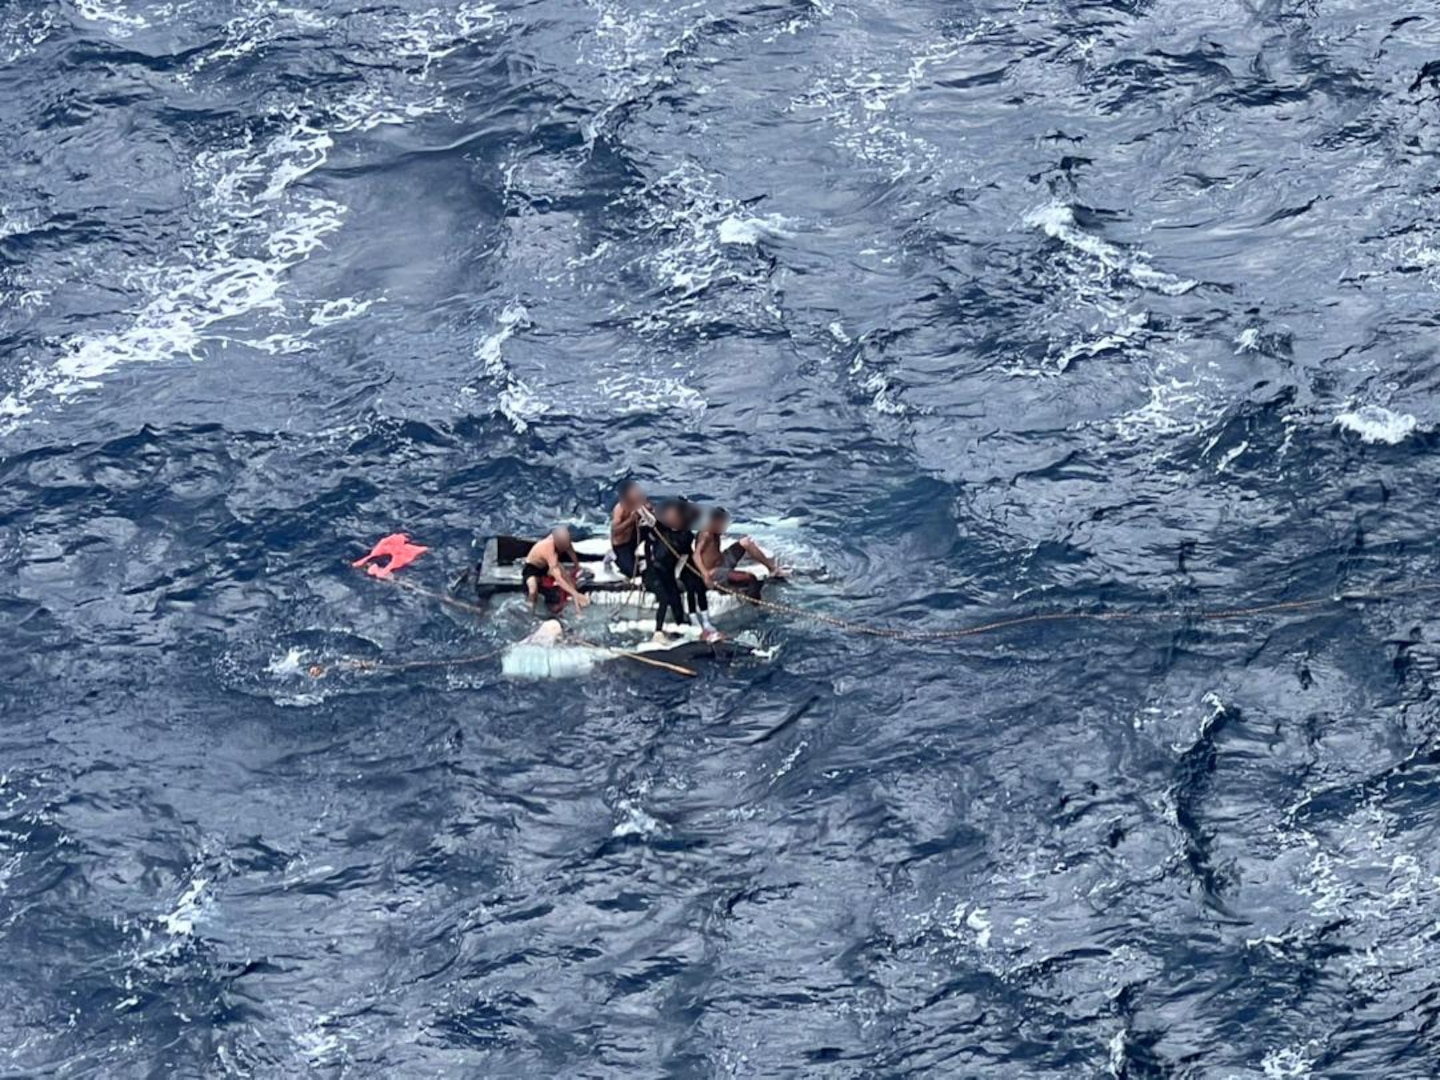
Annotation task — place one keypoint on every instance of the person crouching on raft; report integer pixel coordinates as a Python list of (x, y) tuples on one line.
[(631, 514), (543, 563), (718, 560)]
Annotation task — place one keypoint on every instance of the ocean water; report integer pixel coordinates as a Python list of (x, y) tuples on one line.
[(971, 309)]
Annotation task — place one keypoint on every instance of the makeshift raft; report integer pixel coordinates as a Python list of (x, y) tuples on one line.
[(498, 573)]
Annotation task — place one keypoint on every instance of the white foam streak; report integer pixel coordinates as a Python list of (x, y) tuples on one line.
[(1376, 424), (1285, 1063), (242, 272), (751, 230), (864, 104), (23, 35), (516, 401), (338, 311), (114, 15), (1057, 221), (258, 216), (181, 921)]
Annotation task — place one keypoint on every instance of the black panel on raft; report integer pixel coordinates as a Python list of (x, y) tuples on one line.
[(688, 652)]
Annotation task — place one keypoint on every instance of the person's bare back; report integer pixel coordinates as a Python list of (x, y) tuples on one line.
[(544, 561), (707, 551)]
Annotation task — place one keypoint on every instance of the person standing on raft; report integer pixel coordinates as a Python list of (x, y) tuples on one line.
[(693, 579), (632, 514), (663, 541)]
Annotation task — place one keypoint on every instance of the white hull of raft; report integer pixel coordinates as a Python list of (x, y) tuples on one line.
[(546, 655)]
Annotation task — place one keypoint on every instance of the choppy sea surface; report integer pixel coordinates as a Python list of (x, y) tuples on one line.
[(971, 309)]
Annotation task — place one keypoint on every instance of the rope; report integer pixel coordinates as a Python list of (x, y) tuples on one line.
[(639, 658), (898, 634), (318, 671), (352, 663), (870, 630)]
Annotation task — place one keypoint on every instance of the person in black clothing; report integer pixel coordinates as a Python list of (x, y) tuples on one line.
[(692, 578), (664, 544)]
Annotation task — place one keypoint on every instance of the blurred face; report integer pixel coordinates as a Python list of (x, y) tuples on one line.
[(719, 523), (674, 517), (634, 496), (562, 538)]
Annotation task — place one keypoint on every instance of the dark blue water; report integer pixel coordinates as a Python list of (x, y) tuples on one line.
[(969, 309)]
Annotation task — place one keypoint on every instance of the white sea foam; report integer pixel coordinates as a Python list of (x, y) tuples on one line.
[(1286, 1062), (258, 214), (751, 230), (433, 34), (337, 311), (114, 15), (634, 820), (515, 400), (181, 921), (868, 105), (240, 273), (1117, 1052), (700, 253), (1057, 220), (694, 221), (632, 393), (630, 51), (790, 760), (318, 1043), (815, 10), (862, 101), (1377, 424), (1231, 456), (967, 922), (870, 374), (262, 22), (979, 924), (1182, 398), (21, 36), (883, 395)]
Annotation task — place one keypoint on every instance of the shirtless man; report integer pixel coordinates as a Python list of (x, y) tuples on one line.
[(719, 561), (630, 515), (544, 561)]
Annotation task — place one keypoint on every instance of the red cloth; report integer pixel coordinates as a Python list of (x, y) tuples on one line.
[(397, 549)]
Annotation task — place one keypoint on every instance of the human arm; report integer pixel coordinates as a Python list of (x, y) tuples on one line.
[(565, 581)]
